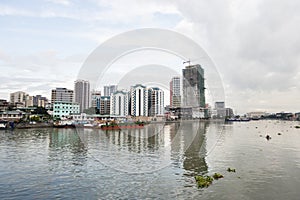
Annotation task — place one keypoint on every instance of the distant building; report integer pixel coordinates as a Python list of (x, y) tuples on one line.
[(29, 101), (138, 100), (3, 105), (110, 89), (229, 112), (297, 116), (219, 105), (40, 101), (64, 109), (62, 95), (256, 114), (220, 109), (96, 96), (18, 99), (82, 94), (175, 96), (119, 104), (156, 102), (105, 105), (193, 86)]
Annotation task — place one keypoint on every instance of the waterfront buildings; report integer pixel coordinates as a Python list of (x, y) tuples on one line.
[(39, 101), (156, 102), (64, 109), (175, 92), (138, 100), (193, 86), (96, 96), (229, 112), (21, 100), (13, 115), (110, 89), (62, 95), (82, 94), (119, 104), (3, 105), (18, 99), (220, 109), (104, 105)]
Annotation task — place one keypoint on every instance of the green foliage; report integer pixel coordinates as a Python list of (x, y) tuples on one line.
[(40, 111), (203, 181), (216, 176), (230, 169), (35, 118)]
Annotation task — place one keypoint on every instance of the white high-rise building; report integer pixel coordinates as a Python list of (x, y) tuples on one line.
[(82, 94), (156, 102), (119, 104), (110, 89), (175, 96), (139, 100), (18, 98)]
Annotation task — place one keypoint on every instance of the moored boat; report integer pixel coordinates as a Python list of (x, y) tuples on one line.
[(64, 124), (3, 125)]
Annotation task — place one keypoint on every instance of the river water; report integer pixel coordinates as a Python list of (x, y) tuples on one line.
[(156, 162)]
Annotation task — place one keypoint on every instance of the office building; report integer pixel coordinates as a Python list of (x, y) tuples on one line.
[(96, 96), (82, 94), (40, 101), (156, 102), (105, 105), (193, 86), (138, 100), (119, 104), (18, 99), (62, 95), (110, 89), (175, 96), (220, 109)]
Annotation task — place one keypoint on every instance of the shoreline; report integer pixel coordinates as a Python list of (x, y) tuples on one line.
[(50, 125)]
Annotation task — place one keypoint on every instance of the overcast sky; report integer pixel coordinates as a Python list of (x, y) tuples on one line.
[(255, 44)]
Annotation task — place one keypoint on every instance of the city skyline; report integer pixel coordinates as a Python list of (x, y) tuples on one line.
[(44, 44)]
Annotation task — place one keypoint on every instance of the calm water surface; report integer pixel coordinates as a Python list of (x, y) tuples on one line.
[(157, 162)]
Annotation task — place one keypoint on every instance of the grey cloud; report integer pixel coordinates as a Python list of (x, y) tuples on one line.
[(256, 48)]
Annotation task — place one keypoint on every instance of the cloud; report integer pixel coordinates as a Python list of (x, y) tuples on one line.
[(254, 44), (60, 2)]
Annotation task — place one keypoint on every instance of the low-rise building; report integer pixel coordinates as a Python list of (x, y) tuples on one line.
[(64, 109), (14, 115), (83, 118)]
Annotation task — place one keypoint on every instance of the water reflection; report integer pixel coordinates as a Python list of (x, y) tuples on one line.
[(154, 147), (65, 143)]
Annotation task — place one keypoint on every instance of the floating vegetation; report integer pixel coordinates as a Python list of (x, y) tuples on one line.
[(216, 176), (230, 169), (297, 126), (203, 181)]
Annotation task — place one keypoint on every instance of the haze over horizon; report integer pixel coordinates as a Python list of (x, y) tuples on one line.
[(254, 44)]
